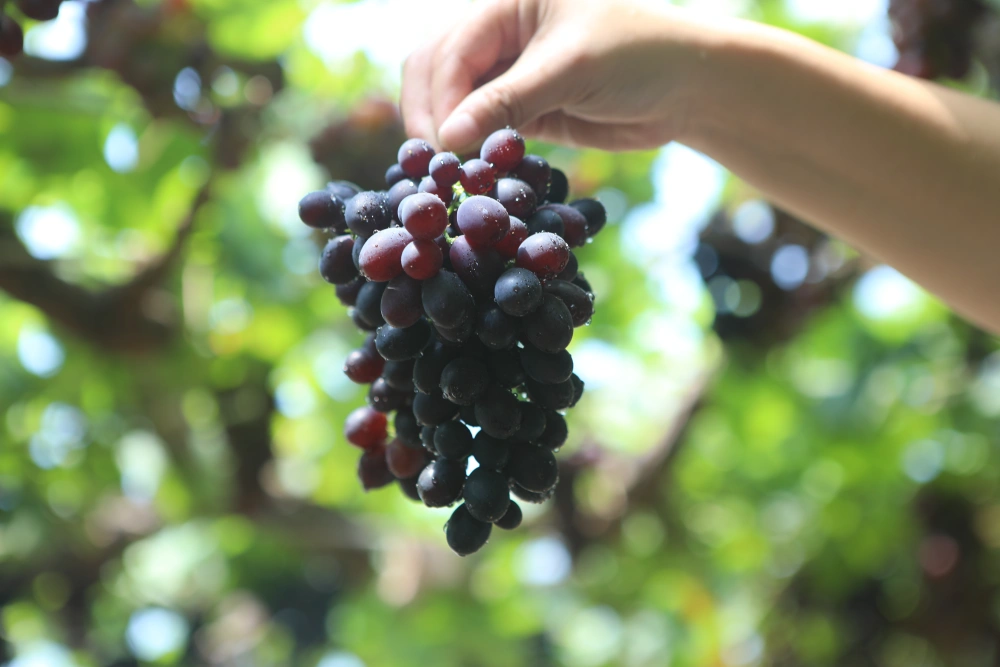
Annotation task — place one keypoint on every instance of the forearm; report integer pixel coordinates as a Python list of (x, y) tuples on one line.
[(906, 171)]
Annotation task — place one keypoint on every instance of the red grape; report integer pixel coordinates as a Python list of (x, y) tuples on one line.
[(544, 254), (403, 461), (477, 177), (380, 256), (444, 168), (517, 197), (363, 366), (508, 245), (574, 223), (365, 427), (503, 149), (423, 215), (414, 157), (483, 221), (422, 259)]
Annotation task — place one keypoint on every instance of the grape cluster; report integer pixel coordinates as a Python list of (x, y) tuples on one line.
[(11, 34), (464, 277), (934, 37)]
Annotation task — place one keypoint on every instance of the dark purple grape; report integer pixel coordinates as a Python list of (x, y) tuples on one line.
[(478, 268), (368, 305), (504, 149), (572, 268), (558, 187), (428, 368), (347, 293), (345, 190), (505, 368), (398, 374), (457, 335), (517, 197), (486, 494), (401, 305), (407, 428), (550, 328), (404, 462), (532, 423), (574, 224), (477, 177), (595, 214), (532, 468), (444, 169), (373, 470), (398, 193), (365, 427), (545, 220), (430, 186), (452, 440), (414, 157), (490, 452), (495, 328), (323, 210), (544, 367), (556, 431), (409, 488), (398, 344), (446, 300), (511, 518), (440, 483), (335, 264), (367, 212), (465, 533), (518, 292), (498, 412), (534, 171), (464, 380), (39, 10), (394, 174), (550, 396), (433, 409), (579, 302), (384, 398)]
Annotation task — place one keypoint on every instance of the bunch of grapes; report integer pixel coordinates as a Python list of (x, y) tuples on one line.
[(935, 37), (464, 276), (11, 35)]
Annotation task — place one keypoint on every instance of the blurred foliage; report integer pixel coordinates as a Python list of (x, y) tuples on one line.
[(788, 458)]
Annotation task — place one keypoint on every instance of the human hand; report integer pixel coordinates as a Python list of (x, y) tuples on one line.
[(619, 75)]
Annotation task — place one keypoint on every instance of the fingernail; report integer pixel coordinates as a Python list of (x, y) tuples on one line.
[(458, 131)]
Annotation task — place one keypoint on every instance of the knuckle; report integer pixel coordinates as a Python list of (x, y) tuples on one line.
[(505, 101)]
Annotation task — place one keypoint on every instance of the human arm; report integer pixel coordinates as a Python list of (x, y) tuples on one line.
[(905, 170)]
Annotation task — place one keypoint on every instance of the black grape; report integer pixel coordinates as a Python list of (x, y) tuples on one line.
[(465, 533), (446, 300), (544, 367), (486, 494), (550, 328), (532, 423), (496, 329), (396, 344), (440, 483), (518, 292), (433, 409), (505, 368), (490, 452), (555, 432), (452, 440), (511, 518), (532, 468), (369, 303), (498, 412), (464, 380)]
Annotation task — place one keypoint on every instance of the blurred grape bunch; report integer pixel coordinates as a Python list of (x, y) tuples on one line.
[(942, 38), (357, 146), (768, 272)]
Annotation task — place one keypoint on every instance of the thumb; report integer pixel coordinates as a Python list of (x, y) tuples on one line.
[(518, 96)]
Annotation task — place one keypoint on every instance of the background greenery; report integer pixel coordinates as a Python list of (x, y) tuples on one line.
[(786, 455)]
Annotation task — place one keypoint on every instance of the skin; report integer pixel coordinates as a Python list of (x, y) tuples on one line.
[(905, 170)]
